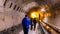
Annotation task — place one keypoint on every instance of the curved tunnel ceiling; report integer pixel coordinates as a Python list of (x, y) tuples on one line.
[(26, 4), (46, 1)]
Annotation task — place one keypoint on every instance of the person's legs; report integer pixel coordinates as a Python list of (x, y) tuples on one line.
[(31, 26), (25, 30), (34, 26)]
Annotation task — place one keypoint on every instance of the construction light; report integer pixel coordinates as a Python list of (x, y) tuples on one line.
[(43, 9), (34, 15)]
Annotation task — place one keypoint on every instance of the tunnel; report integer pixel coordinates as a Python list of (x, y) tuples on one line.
[(13, 11)]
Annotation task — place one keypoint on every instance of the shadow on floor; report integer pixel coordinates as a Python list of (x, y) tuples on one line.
[(12, 30)]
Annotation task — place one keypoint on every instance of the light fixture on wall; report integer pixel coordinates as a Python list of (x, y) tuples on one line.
[(43, 9)]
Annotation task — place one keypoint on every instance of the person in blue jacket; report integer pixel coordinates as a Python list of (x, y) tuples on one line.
[(26, 23)]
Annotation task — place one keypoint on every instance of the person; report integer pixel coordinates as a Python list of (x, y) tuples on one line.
[(34, 21), (31, 23), (26, 23)]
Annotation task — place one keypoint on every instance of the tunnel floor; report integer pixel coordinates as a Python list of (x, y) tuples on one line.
[(31, 31)]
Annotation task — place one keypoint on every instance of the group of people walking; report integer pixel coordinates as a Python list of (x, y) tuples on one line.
[(33, 23), (26, 22)]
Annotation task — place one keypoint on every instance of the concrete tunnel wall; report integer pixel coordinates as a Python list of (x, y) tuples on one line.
[(8, 16)]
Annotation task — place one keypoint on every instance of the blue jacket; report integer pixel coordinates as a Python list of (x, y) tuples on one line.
[(26, 22)]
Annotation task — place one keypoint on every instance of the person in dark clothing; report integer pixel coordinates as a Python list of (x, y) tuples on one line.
[(31, 23), (25, 24), (34, 21)]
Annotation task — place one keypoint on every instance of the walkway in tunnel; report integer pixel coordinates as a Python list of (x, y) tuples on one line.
[(32, 31)]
